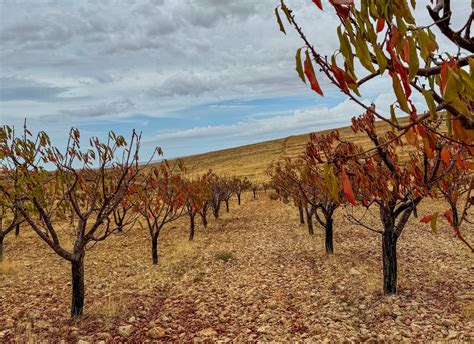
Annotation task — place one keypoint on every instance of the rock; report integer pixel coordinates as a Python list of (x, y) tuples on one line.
[(208, 332), (452, 335), (263, 329), (132, 319), (9, 323), (157, 332), (317, 328), (103, 336), (82, 341), (125, 330), (354, 272), (3, 334)]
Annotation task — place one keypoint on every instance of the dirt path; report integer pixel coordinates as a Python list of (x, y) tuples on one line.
[(278, 285)]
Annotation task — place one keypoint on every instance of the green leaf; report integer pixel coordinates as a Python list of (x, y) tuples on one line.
[(393, 117), (414, 64), (299, 65), (364, 54), (280, 24), (397, 87), (449, 123), (381, 59), (431, 104)]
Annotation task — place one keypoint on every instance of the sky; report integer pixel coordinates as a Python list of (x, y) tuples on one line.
[(192, 75)]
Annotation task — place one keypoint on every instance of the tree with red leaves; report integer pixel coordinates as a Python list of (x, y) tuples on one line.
[(160, 199), (383, 38)]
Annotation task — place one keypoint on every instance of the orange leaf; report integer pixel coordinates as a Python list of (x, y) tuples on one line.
[(347, 188), (411, 137), (318, 3), (380, 24), (445, 156), (443, 76), (309, 72)]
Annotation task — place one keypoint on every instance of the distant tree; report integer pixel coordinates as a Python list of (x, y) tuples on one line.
[(254, 188), (197, 197), (92, 182), (241, 185), (160, 200), (456, 187)]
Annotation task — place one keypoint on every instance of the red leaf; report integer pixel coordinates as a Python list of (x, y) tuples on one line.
[(444, 76), (318, 3), (339, 74), (342, 11), (347, 187), (380, 24), (426, 218), (309, 72), (445, 156)]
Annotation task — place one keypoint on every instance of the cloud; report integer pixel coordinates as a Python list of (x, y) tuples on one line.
[(14, 89), (113, 108), (303, 121)]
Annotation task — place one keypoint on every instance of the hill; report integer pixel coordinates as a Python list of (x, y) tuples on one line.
[(251, 161)]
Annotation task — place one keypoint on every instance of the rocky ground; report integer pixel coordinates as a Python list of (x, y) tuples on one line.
[(253, 275)]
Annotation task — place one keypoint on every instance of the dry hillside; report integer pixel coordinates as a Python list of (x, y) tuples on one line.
[(252, 160)]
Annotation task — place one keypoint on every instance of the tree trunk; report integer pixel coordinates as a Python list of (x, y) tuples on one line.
[(1, 248), (238, 198), (17, 230), (154, 249), (254, 194), (389, 251), (191, 227), (328, 236), (77, 304), (309, 221), (227, 205), (215, 211), (204, 219), (300, 209)]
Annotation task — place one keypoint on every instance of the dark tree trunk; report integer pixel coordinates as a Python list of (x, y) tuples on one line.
[(227, 205), (300, 209), (215, 210), (154, 249), (17, 230), (329, 236), (77, 304), (238, 198), (204, 219), (1, 247), (389, 251), (309, 221), (191, 227), (254, 194)]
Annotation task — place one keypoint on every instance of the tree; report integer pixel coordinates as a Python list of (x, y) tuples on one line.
[(392, 185), (196, 200), (456, 188), (161, 200), (241, 185), (216, 194), (383, 38), (254, 188), (10, 218), (91, 182)]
